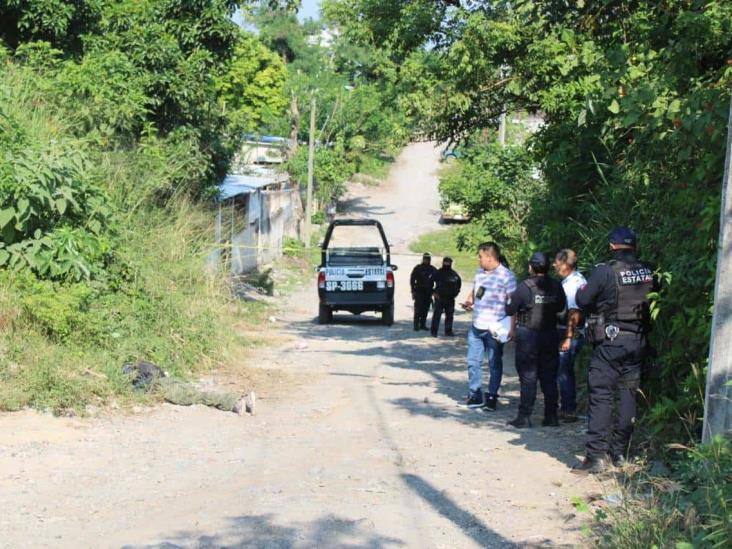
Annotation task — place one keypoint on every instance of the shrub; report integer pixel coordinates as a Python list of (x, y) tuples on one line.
[(690, 508), (331, 171), (498, 187), (54, 219)]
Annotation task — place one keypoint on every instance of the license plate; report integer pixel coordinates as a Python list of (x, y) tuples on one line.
[(344, 286)]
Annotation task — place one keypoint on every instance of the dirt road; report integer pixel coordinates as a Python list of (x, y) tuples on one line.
[(368, 449)]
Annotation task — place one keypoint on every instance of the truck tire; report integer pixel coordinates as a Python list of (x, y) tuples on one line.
[(325, 314), (387, 315)]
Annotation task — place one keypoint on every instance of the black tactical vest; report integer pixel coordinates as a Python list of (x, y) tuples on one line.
[(633, 283), (447, 283), (544, 306), (425, 276)]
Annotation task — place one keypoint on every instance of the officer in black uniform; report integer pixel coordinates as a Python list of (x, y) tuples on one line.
[(447, 288), (537, 301), (615, 302), (422, 282)]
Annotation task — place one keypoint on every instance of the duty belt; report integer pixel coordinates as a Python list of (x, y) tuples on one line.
[(612, 332)]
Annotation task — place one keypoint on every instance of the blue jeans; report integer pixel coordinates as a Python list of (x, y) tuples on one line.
[(481, 342), (566, 378)]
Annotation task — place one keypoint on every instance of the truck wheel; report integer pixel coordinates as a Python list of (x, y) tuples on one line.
[(325, 314), (387, 315)]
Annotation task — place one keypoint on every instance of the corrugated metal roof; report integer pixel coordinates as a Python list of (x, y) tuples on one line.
[(234, 185)]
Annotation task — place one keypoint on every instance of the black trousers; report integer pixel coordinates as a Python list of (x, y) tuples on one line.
[(614, 372), (448, 307), (422, 302), (537, 357)]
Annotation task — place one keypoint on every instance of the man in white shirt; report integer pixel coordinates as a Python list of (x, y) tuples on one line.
[(570, 333)]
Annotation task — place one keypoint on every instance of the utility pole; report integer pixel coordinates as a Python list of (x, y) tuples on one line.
[(718, 399), (311, 160), (502, 130)]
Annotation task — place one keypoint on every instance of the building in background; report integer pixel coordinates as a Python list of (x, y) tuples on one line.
[(258, 206), (266, 150)]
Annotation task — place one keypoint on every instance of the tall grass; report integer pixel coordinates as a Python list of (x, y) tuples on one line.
[(63, 341), (63, 345), (689, 508)]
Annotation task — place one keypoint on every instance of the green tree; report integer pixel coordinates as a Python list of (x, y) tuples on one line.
[(251, 93), (634, 96)]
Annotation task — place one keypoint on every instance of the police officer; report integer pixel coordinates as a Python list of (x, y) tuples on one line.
[(422, 281), (447, 288), (536, 302), (615, 301)]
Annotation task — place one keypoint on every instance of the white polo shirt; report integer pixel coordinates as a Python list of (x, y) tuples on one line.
[(571, 284)]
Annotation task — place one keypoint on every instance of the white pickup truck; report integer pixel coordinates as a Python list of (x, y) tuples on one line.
[(356, 278)]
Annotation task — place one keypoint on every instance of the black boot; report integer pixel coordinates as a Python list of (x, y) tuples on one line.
[(591, 465), (521, 422), (550, 421), (568, 417), (491, 402)]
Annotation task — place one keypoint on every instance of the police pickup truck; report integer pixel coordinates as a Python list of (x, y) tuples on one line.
[(356, 278)]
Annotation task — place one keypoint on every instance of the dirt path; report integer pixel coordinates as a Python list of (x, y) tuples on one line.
[(370, 450)]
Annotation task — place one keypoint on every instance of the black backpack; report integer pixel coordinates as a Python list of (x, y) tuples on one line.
[(142, 373)]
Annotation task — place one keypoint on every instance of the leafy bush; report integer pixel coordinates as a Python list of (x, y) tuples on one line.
[(497, 186), (331, 171), (54, 219)]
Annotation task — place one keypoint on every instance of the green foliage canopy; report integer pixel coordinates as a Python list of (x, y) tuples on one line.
[(635, 99)]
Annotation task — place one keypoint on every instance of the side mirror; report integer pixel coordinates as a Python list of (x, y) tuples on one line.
[(394, 268)]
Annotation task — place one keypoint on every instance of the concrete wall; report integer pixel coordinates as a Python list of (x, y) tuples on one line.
[(250, 228)]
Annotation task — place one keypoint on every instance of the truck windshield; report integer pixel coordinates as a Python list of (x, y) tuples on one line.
[(345, 236), (351, 245)]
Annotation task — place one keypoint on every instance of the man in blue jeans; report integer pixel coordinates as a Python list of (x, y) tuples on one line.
[(494, 282), (570, 333)]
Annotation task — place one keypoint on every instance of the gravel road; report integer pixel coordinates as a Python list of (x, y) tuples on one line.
[(359, 444)]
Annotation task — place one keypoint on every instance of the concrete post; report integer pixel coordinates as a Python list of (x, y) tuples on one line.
[(311, 167), (718, 399), (502, 129)]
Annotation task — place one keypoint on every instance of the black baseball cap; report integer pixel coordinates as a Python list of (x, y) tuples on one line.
[(426, 255), (539, 260), (622, 235), (447, 259)]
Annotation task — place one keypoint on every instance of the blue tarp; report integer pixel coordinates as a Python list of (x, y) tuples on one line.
[(267, 139)]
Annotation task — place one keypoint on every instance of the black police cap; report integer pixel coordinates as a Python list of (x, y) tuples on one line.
[(447, 259), (622, 235), (538, 259)]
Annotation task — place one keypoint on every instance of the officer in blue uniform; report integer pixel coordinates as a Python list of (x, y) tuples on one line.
[(616, 304), (447, 288), (537, 301)]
